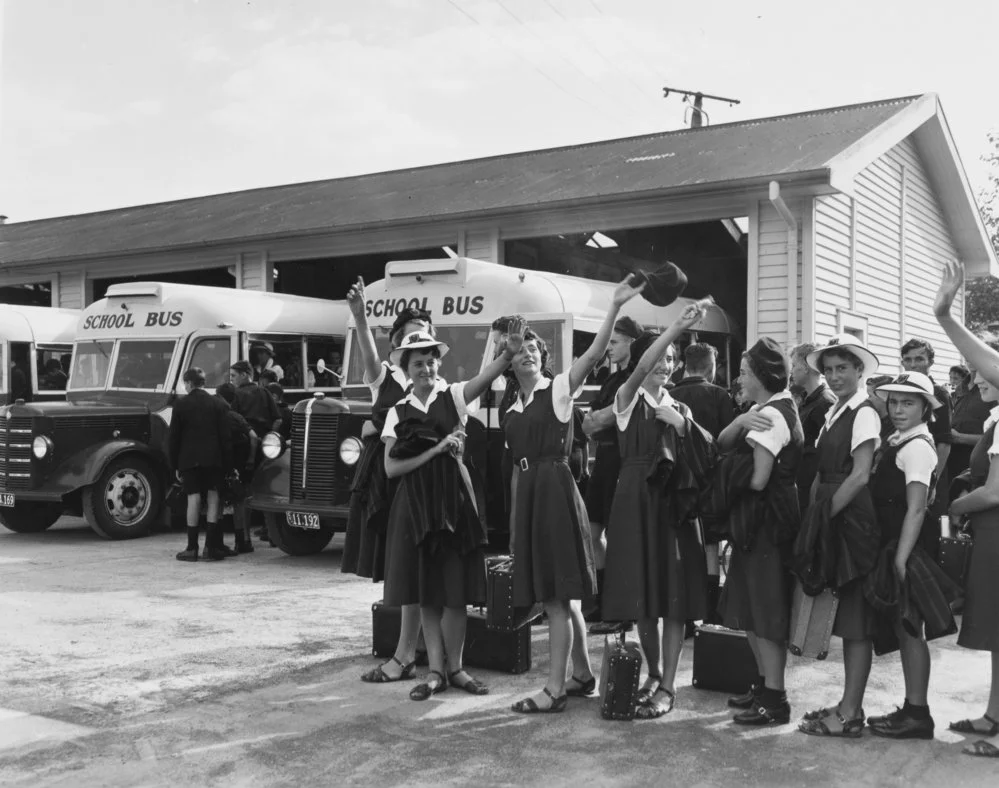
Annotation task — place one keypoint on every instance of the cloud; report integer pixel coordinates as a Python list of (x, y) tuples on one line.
[(262, 24), (204, 52), (146, 107)]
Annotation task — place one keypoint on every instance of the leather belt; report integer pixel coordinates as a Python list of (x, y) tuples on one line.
[(526, 463)]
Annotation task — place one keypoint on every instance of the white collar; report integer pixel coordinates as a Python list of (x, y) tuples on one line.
[(900, 437), (439, 385), (665, 399), (785, 394), (858, 399), (519, 404), (992, 418)]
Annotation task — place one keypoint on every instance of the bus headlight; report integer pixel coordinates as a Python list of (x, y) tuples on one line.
[(350, 451), (272, 446), (42, 446)]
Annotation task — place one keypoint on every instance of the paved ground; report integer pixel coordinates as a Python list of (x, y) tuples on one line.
[(123, 667)]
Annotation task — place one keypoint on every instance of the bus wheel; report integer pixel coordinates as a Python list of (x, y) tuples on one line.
[(30, 517), (125, 501), (295, 541)]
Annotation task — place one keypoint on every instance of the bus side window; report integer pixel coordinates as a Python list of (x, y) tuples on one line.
[(20, 371), (212, 354), (282, 353), (328, 350), (52, 370)]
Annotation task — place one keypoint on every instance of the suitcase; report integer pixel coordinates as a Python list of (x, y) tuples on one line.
[(812, 620), (506, 651), (386, 622), (723, 660), (500, 611), (955, 557), (619, 675)]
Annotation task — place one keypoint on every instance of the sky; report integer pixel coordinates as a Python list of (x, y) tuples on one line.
[(111, 103)]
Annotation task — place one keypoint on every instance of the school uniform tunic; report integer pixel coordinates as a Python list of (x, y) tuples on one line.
[(847, 427), (757, 592), (371, 490), (980, 622), (607, 464), (655, 566), (434, 538), (553, 552)]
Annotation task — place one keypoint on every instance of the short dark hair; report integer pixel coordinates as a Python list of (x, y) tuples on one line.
[(914, 344), (842, 352), (195, 376), (242, 367), (434, 351), (802, 351), (502, 324), (530, 335), (961, 370), (276, 390), (53, 365), (226, 391), (267, 376), (699, 357)]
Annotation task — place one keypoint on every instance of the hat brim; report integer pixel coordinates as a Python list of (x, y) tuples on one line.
[(396, 355), (664, 285), (867, 358), (888, 388)]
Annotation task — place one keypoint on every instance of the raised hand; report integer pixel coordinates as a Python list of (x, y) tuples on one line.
[(513, 340), (355, 298), (694, 312), (950, 284), (624, 292)]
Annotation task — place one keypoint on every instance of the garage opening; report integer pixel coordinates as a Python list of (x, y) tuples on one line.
[(209, 277), (33, 294)]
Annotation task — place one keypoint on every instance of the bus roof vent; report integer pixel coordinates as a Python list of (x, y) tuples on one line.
[(134, 290), (401, 269)]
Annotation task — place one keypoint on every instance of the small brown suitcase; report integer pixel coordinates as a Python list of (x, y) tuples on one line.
[(812, 619), (619, 676), (500, 611), (723, 660), (386, 622), (955, 557), (507, 651)]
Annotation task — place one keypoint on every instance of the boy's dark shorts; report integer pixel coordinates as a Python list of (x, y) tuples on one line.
[(201, 480)]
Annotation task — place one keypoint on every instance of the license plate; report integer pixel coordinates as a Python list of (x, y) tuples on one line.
[(308, 520), (6, 499)]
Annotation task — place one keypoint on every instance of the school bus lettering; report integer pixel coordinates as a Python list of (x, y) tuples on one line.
[(99, 322), (164, 319), (462, 305), (390, 307)]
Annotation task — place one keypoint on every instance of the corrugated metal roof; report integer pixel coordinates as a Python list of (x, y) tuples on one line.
[(689, 159)]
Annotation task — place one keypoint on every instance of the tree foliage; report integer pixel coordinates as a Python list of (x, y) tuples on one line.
[(982, 294)]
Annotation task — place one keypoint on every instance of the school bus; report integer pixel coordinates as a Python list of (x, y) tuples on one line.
[(304, 492), (36, 343), (103, 452)]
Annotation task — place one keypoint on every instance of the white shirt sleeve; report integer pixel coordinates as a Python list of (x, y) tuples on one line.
[(458, 395), (391, 422), (994, 448), (376, 384), (624, 416), (867, 426), (917, 460), (562, 398), (773, 439)]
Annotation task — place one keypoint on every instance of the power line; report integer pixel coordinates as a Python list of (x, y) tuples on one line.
[(463, 11)]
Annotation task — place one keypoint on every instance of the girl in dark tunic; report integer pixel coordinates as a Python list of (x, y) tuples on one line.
[(371, 491), (550, 534), (842, 510), (434, 552), (757, 593), (907, 579), (599, 426), (655, 565), (980, 622)]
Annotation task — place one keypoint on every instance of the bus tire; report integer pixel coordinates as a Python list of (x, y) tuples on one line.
[(30, 517), (295, 541), (125, 500)]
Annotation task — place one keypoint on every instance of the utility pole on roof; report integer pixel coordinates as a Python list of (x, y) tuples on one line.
[(695, 98)]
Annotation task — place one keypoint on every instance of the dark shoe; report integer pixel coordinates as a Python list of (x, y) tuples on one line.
[(585, 688), (882, 719), (244, 547), (379, 676), (745, 700), (434, 685), (226, 550), (212, 554), (528, 706), (659, 705), (759, 714), (835, 725), (188, 555), (899, 725), (470, 685), (968, 726)]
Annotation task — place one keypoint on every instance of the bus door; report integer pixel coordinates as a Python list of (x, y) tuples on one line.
[(214, 350)]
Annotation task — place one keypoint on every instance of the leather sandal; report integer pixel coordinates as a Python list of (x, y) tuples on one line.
[(528, 706), (651, 686), (426, 689), (585, 688), (968, 726), (654, 708), (821, 714), (379, 676), (470, 685), (849, 729), (981, 749)]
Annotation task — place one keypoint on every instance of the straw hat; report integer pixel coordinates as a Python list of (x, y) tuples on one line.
[(850, 344), (418, 340), (910, 383)]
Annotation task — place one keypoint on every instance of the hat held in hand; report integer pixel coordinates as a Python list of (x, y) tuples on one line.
[(662, 286)]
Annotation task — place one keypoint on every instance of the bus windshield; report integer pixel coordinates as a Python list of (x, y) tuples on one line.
[(463, 361), (91, 362), (141, 364)]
